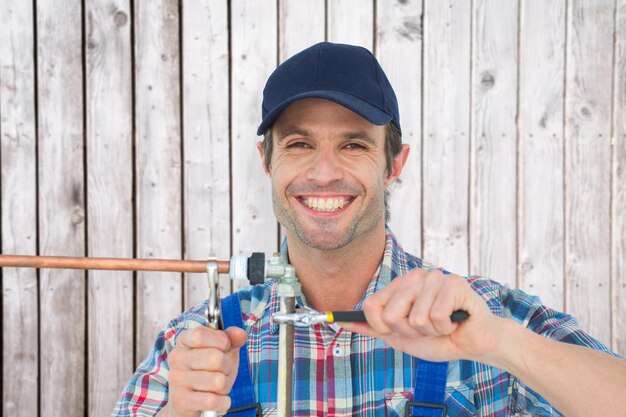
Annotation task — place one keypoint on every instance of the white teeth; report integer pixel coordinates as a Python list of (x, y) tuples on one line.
[(328, 204)]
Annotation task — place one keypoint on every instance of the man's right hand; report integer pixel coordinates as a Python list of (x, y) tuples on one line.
[(203, 367)]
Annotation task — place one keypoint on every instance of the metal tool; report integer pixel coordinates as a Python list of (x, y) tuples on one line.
[(288, 288), (214, 309), (309, 317), (256, 269), (238, 267)]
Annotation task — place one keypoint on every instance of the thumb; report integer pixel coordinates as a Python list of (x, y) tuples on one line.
[(237, 337)]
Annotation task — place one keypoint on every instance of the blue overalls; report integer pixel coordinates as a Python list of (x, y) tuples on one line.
[(428, 396)]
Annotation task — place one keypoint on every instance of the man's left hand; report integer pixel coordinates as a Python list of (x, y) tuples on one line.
[(412, 314)]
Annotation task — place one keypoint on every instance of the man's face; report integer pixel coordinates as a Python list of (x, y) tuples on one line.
[(328, 173)]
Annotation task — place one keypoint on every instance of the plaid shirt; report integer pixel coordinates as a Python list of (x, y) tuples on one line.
[(338, 373)]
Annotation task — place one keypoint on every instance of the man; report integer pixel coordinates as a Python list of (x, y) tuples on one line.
[(332, 147)]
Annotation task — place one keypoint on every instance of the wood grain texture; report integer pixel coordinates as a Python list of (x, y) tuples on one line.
[(351, 21), (18, 207), (301, 24), (446, 127), (493, 240), (540, 193), (399, 51), (158, 164), (61, 206), (206, 190), (587, 166), (254, 57), (109, 199), (618, 197)]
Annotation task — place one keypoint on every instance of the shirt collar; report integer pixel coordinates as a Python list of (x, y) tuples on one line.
[(393, 264)]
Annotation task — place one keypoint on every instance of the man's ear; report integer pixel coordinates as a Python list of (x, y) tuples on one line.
[(259, 146), (398, 164)]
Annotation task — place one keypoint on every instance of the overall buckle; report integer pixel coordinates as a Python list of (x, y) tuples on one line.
[(259, 410), (408, 411)]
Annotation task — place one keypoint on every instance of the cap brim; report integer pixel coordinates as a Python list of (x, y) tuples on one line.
[(370, 113)]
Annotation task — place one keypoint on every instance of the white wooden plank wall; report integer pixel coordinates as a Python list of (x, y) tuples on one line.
[(618, 192), (109, 172), (493, 152), (128, 129), (158, 164), (351, 21), (540, 145), (20, 319), (206, 142), (61, 198), (588, 101), (446, 138)]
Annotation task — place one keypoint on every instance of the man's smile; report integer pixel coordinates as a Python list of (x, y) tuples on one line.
[(325, 204)]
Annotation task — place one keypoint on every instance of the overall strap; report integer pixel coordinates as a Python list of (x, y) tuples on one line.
[(430, 390), (242, 392)]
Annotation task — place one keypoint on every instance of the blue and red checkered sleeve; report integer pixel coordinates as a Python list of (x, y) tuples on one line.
[(146, 391), (530, 312)]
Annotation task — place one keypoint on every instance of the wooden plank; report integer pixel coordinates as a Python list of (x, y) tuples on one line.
[(109, 200), (254, 56), (618, 198), (399, 39), (587, 171), (206, 190), (61, 206), (446, 133), (352, 22), (493, 155), (301, 24), (20, 372), (158, 164), (540, 216)]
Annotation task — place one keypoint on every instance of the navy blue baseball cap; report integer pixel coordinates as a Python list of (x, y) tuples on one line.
[(345, 74)]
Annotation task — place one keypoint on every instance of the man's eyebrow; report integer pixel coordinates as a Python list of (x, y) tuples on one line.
[(359, 134), (293, 130)]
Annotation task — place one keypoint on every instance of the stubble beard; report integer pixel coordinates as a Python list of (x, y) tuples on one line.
[(326, 236)]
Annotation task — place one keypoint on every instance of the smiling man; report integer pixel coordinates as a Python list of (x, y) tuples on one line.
[(332, 146)]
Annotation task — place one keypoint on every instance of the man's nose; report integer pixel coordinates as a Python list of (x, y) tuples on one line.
[(325, 167)]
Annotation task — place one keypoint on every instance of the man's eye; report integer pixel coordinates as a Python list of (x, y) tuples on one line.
[(298, 145), (355, 146)]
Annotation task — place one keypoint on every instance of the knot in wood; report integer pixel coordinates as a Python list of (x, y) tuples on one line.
[(78, 216), (120, 18), (487, 80), (411, 28), (527, 267)]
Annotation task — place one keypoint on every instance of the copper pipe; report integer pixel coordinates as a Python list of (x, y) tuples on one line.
[(118, 264)]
